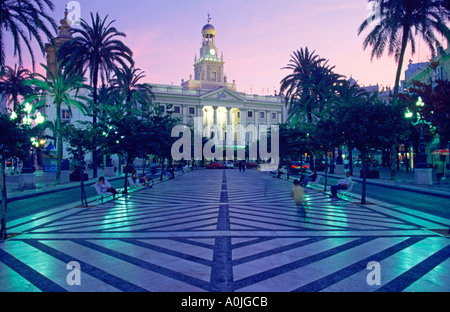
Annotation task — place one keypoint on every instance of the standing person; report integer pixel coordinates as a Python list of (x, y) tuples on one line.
[(347, 164), (240, 165), (342, 185), (106, 187), (243, 165), (298, 194), (439, 169)]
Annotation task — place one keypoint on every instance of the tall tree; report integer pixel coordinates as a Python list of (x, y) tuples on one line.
[(82, 140), (25, 19), (310, 85), (95, 48), (13, 87), (399, 22), (348, 92), (60, 89), (137, 95), (370, 124), (14, 142)]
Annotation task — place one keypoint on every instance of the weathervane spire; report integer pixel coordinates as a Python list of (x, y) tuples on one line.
[(209, 18)]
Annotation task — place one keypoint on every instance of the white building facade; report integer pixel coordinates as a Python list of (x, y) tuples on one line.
[(206, 95)]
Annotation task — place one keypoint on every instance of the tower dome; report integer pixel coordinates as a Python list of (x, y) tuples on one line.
[(208, 31)]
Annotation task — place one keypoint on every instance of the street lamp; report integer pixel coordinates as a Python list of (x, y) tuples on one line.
[(422, 170), (421, 156)]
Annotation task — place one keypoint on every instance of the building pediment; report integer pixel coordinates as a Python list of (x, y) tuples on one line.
[(222, 94)]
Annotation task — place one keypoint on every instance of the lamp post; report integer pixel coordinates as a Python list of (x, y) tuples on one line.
[(421, 161), (422, 172)]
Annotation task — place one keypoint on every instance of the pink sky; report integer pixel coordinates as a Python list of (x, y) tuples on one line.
[(257, 38)]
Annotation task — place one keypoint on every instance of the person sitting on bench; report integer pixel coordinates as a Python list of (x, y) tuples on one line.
[(310, 178), (106, 187), (342, 185)]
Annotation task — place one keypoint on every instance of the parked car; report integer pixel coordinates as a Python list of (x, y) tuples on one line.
[(229, 165), (215, 165), (251, 164), (297, 167)]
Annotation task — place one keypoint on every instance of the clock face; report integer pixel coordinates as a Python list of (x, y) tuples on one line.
[(212, 52)]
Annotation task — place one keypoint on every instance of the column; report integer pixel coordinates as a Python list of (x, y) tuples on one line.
[(244, 124), (184, 112), (215, 115), (243, 117), (257, 124)]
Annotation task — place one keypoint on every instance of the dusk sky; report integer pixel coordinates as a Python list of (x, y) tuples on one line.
[(257, 38)]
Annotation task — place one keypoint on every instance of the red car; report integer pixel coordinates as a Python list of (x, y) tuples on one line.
[(251, 164), (215, 165)]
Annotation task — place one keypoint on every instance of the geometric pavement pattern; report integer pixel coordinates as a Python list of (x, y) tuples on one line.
[(226, 231)]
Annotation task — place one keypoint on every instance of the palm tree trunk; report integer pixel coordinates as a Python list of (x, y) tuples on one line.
[(400, 61), (83, 191), (350, 163), (364, 174), (4, 197), (162, 169), (326, 172), (125, 185), (94, 118), (59, 150)]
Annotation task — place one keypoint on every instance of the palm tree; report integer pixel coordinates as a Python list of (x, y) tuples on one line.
[(24, 19), (399, 22), (126, 81), (98, 50), (13, 87), (60, 89), (309, 87)]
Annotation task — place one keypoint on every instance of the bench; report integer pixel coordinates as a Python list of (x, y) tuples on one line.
[(100, 194), (132, 184), (316, 181), (347, 191)]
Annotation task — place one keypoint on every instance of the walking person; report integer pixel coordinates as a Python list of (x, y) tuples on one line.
[(298, 194), (240, 165)]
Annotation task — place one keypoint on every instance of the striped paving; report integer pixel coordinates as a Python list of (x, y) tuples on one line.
[(226, 231)]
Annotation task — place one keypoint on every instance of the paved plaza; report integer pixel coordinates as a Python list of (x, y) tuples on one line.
[(226, 231)]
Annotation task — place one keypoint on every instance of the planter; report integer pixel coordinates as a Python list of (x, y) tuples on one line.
[(371, 174), (75, 176)]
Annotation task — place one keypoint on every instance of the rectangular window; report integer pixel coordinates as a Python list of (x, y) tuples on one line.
[(176, 109), (274, 115), (261, 114), (238, 114), (65, 114), (191, 110), (250, 114), (162, 109)]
